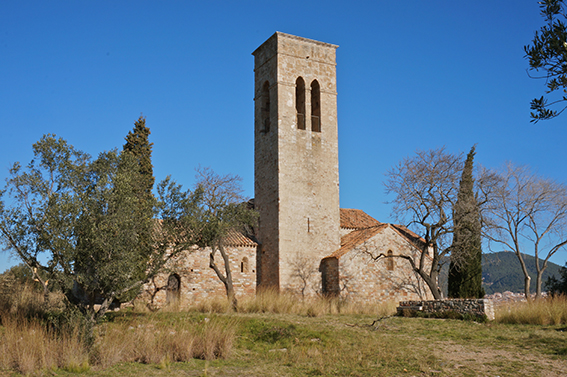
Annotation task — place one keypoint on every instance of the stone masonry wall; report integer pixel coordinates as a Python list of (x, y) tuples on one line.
[(362, 279), (199, 282), (476, 307)]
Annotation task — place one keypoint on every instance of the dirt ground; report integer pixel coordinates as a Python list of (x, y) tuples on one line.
[(490, 361)]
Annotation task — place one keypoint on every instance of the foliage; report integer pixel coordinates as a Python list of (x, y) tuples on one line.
[(44, 207), (139, 147), (558, 286), (528, 211), (82, 225), (426, 188), (112, 232), (548, 52), (465, 271), (138, 144)]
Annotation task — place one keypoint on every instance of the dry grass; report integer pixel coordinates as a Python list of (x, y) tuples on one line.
[(36, 336), (25, 300), (545, 311), (27, 346), (269, 301), (152, 341)]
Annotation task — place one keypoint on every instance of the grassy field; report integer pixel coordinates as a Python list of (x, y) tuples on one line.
[(284, 337), (343, 345)]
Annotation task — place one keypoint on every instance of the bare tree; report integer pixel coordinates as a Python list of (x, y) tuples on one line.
[(426, 188), (303, 271), (223, 210), (528, 212)]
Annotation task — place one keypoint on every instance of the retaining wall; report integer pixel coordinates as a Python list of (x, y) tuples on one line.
[(477, 307)]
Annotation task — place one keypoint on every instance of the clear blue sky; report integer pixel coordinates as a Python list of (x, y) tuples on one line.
[(411, 75)]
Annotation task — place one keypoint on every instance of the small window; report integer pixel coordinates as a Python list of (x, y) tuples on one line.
[(315, 107), (390, 261), (265, 108), (300, 102), (244, 267)]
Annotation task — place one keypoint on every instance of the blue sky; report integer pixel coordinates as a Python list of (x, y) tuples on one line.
[(411, 75)]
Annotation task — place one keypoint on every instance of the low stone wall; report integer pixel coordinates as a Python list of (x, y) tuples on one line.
[(476, 307)]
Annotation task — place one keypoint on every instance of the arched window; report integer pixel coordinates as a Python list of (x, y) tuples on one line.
[(315, 106), (244, 265), (265, 108), (390, 261), (300, 102), (173, 289)]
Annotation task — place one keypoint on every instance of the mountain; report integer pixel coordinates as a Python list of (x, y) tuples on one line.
[(502, 272)]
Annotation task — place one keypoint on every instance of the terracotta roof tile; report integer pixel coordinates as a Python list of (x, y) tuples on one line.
[(357, 219), (411, 236), (359, 236), (233, 238), (237, 239), (355, 238)]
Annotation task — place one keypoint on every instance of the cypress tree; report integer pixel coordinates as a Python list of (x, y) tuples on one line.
[(465, 270), (138, 144), (139, 148)]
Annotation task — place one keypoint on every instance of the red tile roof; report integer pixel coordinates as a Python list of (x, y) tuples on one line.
[(237, 239), (417, 240), (357, 219), (355, 238), (359, 236)]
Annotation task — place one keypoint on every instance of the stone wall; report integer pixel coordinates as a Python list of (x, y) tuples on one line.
[(198, 282), (476, 307), (355, 276)]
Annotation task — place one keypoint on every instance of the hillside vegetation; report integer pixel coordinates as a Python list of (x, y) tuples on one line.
[(502, 272)]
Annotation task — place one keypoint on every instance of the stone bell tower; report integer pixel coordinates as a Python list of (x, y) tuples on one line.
[(295, 158)]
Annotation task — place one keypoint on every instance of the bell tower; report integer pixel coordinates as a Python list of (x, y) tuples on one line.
[(295, 158)]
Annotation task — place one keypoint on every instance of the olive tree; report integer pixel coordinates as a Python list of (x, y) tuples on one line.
[(548, 54), (79, 223)]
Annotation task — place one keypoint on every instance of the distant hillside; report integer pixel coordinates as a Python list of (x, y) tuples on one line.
[(502, 272)]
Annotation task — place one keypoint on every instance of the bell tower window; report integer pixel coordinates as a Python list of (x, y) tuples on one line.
[(300, 102), (265, 108), (315, 106)]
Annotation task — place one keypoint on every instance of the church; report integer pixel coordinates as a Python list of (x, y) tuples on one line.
[(304, 243)]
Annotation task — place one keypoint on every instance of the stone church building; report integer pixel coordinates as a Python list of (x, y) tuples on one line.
[(304, 243)]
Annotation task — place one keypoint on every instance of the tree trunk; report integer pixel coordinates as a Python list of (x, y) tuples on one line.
[(527, 280), (225, 279), (527, 277), (431, 282)]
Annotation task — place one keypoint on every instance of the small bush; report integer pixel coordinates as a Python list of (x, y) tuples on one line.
[(448, 314)]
